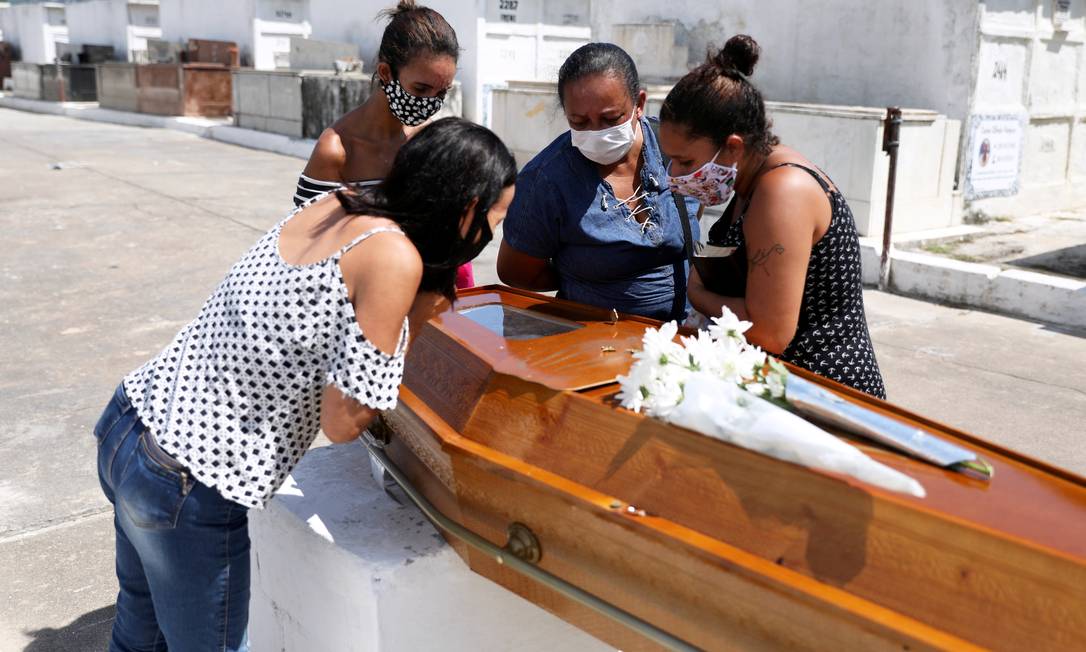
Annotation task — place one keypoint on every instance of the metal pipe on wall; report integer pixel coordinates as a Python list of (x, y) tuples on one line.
[(891, 140)]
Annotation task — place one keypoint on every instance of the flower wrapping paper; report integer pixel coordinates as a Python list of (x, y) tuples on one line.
[(714, 383)]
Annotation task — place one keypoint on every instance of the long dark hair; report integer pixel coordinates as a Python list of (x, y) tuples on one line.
[(716, 100), (413, 30), (434, 177)]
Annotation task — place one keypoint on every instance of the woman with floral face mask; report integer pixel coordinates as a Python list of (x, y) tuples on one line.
[(594, 217), (799, 281), (416, 63)]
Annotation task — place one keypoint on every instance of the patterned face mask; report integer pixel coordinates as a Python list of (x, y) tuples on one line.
[(712, 184), (411, 110)]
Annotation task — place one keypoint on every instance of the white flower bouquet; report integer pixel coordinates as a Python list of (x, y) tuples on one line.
[(720, 385)]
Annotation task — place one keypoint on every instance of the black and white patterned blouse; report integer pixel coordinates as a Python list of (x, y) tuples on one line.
[(832, 338), (236, 396)]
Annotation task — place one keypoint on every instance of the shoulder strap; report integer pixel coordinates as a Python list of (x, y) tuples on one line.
[(654, 125), (817, 177), (678, 305), (680, 203), (374, 231)]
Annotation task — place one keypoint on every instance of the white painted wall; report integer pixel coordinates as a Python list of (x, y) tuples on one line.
[(210, 19), (527, 43), (5, 24), (261, 28), (143, 23), (349, 21), (1029, 65), (123, 24), (276, 22), (916, 53), (496, 44), (98, 22), (36, 29), (465, 17), (961, 58), (54, 30)]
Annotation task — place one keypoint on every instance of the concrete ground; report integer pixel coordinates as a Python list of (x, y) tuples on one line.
[(1051, 243), (113, 236)]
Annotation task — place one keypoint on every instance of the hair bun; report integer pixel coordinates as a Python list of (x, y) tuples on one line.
[(740, 53), (402, 7)]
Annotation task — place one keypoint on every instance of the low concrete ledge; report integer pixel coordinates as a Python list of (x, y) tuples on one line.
[(1043, 297), (92, 111), (339, 565), (41, 106), (219, 129), (263, 140)]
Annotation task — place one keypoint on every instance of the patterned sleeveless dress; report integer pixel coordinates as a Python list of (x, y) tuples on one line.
[(832, 338)]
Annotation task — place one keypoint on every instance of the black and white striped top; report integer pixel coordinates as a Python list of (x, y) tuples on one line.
[(308, 188)]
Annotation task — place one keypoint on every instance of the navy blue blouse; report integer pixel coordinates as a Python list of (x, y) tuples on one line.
[(565, 212)]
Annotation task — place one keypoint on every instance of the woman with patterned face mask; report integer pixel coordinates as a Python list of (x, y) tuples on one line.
[(799, 278), (416, 64), (594, 217)]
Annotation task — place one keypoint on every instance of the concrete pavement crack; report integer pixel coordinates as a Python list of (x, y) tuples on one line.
[(10, 536), (963, 365), (152, 191)]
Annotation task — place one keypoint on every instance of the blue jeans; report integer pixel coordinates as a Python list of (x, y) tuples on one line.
[(182, 549)]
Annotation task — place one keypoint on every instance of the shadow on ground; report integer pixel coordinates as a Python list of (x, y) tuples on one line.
[(1063, 330), (88, 633), (1069, 261)]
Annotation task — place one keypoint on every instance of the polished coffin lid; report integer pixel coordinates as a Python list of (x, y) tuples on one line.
[(549, 401), (560, 345), (593, 350)]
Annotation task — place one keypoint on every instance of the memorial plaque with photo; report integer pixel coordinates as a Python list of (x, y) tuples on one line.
[(994, 156)]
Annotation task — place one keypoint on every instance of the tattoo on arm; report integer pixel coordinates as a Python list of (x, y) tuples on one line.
[(761, 257)]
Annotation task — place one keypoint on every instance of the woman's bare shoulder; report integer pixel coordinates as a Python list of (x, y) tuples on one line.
[(328, 158), (387, 255), (788, 197)]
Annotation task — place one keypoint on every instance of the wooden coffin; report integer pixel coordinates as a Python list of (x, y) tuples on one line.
[(190, 89), (720, 546)]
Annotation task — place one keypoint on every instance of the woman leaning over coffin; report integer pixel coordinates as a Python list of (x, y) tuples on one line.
[(416, 63), (799, 278), (593, 217), (307, 331)]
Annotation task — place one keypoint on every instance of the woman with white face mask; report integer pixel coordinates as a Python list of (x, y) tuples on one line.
[(594, 217), (798, 278)]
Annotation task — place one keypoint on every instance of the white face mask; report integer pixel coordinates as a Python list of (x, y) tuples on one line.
[(606, 146)]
